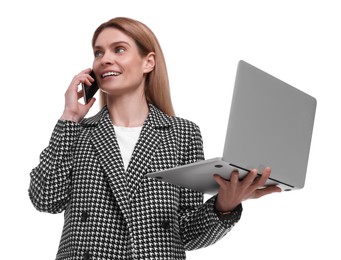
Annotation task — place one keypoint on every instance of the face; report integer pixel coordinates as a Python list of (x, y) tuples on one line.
[(118, 65)]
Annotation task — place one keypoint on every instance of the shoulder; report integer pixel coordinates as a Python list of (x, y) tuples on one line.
[(95, 119), (160, 119), (183, 124)]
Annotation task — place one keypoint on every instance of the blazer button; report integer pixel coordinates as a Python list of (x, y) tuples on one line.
[(86, 256), (84, 216), (165, 224)]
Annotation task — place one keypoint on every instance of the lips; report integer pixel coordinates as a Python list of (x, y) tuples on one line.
[(110, 73)]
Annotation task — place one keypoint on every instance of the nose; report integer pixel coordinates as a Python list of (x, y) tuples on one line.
[(108, 58)]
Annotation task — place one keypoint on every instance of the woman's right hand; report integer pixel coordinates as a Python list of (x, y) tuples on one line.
[(73, 109)]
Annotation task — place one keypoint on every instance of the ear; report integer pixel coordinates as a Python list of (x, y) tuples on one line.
[(149, 63)]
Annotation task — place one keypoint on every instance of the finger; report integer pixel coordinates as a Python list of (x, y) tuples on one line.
[(88, 80), (250, 178), (80, 94), (221, 182), (86, 71), (91, 102), (83, 77), (266, 172), (234, 178), (265, 191), (264, 177)]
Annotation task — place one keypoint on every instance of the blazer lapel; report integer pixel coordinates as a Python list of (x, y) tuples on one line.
[(125, 184), (148, 143), (105, 142)]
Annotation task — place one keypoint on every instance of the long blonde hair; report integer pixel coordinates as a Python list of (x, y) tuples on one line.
[(157, 90)]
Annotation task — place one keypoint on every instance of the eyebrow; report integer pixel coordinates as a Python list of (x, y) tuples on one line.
[(113, 44)]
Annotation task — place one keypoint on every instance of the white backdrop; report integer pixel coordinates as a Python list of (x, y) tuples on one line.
[(45, 43)]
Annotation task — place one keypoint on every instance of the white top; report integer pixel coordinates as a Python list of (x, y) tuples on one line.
[(127, 138)]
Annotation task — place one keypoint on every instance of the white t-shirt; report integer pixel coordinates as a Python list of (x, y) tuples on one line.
[(127, 138)]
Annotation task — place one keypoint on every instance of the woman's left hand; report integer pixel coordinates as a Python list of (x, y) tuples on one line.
[(232, 192)]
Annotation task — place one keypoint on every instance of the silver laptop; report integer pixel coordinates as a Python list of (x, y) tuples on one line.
[(270, 124)]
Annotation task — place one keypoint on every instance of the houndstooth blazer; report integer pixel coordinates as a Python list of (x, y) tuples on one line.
[(113, 213)]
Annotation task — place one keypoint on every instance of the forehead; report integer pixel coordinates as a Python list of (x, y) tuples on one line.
[(112, 35)]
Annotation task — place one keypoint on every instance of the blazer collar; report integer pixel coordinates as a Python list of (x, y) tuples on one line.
[(156, 118), (124, 184)]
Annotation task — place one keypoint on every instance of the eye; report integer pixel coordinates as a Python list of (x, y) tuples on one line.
[(98, 54), (119, 49)]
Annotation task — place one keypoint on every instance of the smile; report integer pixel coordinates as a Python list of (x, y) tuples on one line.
[(110, 73)]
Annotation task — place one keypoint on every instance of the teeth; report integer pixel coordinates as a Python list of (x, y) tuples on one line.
[(110, 73)]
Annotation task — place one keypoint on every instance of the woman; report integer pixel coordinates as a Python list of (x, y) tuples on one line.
[(93, 168)]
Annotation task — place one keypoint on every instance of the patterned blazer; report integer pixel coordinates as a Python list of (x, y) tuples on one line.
[(113, 213)]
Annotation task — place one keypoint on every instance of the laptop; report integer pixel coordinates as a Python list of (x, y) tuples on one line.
[(270, 124)]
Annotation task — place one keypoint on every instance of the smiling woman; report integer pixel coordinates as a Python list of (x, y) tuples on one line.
[(157, 89), (94, 168), (121, 70)]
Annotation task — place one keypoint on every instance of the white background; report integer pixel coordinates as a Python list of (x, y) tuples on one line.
[(45, 43)]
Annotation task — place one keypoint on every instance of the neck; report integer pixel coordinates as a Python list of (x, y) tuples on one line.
[(128, 111)]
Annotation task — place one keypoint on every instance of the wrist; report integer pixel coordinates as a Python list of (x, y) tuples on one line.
[(70, 116), (222, 210), (224, 215), (221, 207)]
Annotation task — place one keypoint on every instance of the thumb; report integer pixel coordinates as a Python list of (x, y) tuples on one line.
[(90, 103)]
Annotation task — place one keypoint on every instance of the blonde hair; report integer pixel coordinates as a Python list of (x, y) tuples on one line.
[(157, 90)]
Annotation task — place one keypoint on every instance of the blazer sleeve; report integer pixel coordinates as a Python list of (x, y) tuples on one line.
[(200, 225), (49, 188)]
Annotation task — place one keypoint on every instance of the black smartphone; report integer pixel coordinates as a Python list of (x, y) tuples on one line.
[(89, 91)]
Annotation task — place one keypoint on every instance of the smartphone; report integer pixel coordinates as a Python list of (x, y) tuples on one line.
[(89, 91)]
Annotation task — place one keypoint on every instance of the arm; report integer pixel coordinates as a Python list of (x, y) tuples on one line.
[(199, 222), (50, 181), (49, 188)]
